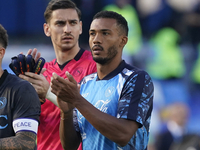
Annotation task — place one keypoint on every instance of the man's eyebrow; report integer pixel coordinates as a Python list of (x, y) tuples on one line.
[(60, 21), (105, 30), (102, 30), (75, 20)]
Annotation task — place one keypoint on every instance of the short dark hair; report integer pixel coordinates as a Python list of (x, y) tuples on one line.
[(3, 37), (121, 21), (60, 4)]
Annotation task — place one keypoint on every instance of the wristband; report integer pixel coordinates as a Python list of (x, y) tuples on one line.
[(51, 97)]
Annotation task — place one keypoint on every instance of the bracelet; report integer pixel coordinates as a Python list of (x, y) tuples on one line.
[(62, 118)]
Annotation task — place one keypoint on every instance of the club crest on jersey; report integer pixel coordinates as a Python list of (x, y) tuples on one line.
[(110, 90), (77, 72), (3, 102)]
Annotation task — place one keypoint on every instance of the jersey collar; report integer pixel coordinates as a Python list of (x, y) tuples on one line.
[(119, 69), (80, 53), (77, 57)]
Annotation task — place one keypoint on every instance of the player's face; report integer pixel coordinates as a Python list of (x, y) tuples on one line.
[(104, 40), (64, 29)]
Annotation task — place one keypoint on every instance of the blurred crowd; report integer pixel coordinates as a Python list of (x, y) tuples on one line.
[(164, 40)]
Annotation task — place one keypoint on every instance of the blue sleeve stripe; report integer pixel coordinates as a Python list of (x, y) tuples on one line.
[(137, 94)]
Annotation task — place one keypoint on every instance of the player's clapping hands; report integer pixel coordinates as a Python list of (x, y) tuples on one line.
[(66, 90)]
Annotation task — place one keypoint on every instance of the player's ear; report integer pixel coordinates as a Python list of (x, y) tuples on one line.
[(123, 41), (46, 29), (2, 52)]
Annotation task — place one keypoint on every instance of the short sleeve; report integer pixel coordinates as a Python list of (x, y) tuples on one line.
[(136, 100), (26, 104)]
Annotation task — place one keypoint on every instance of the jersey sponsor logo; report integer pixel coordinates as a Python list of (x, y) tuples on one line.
[(109, 91), (3, 126), (77, 72), (3, 102), (102, 105), (25, 124)]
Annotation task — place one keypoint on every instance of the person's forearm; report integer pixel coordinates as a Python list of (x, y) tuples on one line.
[(66, 124), (22, 141), (117, 130), (70, 139)]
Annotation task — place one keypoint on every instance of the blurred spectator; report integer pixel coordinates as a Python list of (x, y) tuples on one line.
[(175, 119), (166, 65), (166, 60), (134, 44)]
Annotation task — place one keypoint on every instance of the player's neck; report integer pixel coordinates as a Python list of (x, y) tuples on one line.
[(64, 56), (104, 70)]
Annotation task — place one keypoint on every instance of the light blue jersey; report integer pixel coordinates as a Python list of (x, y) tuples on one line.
[(127, 93)]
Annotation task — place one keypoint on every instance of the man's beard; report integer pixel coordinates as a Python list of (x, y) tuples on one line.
[(112, 52)]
